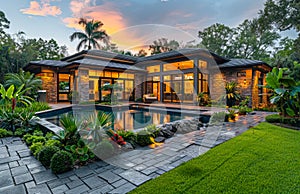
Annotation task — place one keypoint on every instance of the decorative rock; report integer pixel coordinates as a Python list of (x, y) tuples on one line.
[(127, 146), (159, 139)]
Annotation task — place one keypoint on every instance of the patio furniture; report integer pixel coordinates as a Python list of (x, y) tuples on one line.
[(149, 98)]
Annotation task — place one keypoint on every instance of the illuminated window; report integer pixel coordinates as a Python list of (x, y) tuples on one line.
[(167, 77), (115, 74), (202, 64), (179, 65), (156, 78), (153, 69), (107, 74), (130, 76), (189, 76)]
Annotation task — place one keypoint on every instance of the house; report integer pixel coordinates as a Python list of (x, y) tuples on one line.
[(174, 77)]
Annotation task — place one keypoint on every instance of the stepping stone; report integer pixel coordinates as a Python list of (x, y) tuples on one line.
[(19, 189), (5, 179), (134, 177)]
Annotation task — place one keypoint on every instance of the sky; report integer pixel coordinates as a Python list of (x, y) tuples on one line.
[(129, 23)]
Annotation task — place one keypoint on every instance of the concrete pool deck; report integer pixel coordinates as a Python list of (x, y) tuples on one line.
[(20, 172)]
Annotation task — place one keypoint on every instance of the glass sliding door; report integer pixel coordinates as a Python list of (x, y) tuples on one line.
[(172, 88), (105, 95), (64, 86), (119, 92), (188, 87)]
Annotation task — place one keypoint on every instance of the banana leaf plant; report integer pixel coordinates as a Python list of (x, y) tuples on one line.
[(286, 92)]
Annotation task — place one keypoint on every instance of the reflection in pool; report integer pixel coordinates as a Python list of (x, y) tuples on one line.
[(136, 119)]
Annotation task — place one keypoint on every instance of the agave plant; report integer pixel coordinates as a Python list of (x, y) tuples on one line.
[(232, 94), (70, 133), (94, 128)]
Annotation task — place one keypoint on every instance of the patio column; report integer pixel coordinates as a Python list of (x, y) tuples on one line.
[(83, 84), (196, 81)]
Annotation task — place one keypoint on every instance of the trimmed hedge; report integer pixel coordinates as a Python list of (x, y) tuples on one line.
[(61, 161), (46, 154), (276, 118)]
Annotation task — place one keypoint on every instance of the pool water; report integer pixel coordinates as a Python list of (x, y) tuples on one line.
[(135, 118)]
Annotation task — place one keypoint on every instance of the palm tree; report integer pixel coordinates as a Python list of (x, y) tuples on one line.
[(25, 79), (92, 33)]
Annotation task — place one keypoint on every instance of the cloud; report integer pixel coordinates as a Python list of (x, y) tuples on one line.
[(107, 13), (42, 9)]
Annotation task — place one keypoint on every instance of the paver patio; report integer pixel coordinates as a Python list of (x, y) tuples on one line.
[(20, 172)]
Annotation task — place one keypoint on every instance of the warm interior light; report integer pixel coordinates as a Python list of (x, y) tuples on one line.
[(245, 82)]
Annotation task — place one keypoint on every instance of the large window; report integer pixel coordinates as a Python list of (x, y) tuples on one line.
[(64, 86), (203, 83), (153, 69), (179, 65)]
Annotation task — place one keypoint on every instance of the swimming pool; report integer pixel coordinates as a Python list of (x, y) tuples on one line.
[(128, 117)]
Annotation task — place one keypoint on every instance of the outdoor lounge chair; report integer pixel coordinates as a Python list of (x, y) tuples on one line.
[(148, 98)]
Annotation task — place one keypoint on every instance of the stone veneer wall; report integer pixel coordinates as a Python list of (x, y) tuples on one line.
[(244, 88), (139, 81), (50, 85), (255, 99), (216, 86), (83, 84)]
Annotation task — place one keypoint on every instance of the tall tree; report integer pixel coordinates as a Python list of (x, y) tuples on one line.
[(218, 38), (91, 35), (285, 14), (163, 45), (252, 39)]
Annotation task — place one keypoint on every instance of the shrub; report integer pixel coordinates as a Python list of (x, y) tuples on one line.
[(38, 133), (20, 132), (26, 136), (62, 161), (35, 148), (129, 136), (53, 142), (38, 106), (144, 138), (104, 149), (46, 154), (153, 130), (243, 110), (49, 135), (39, 139), (275, 118), (5, 133)]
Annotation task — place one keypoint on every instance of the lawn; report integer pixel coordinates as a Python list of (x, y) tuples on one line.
[(264, 159)]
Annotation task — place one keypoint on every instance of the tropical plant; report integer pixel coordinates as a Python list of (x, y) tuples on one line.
[(26, 79), (94, 128), (115, 137), (69, 135), (92, 33), (80, 151), (10, 96), (232, 94), (129, 136), (144, 137), (286, 92)]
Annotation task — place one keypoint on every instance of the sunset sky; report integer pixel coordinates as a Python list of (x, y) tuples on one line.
[(130, 23)]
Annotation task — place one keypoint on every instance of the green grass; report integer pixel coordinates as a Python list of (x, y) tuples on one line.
[(263, 160)]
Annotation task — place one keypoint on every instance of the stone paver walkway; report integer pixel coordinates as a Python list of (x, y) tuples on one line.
[(21, 173)]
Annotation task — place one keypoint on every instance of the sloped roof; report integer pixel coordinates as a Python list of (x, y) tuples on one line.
[(99, 63), (241, 63), (181, 52), (52, 63)]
